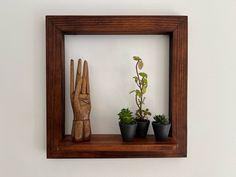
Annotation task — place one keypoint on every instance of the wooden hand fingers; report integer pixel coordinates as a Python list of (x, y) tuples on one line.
[(78, 75), (72, 80), (84, 78), (78, 79), (87, 83)]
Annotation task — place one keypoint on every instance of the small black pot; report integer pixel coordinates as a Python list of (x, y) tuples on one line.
[(161, 131), (142, 128), (128, 131)]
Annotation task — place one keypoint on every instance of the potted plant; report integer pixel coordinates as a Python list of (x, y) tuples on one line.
[(161, 127), (141, 113), (127, 124)]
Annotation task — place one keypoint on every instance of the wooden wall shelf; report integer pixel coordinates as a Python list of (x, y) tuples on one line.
[(113, 146), (60, 145)]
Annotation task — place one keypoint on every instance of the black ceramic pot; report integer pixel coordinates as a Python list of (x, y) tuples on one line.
[(161, 131), (142, 128), (128, 131)]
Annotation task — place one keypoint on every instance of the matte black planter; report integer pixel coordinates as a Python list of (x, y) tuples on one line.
[(128, 131), (142, 128), (161, 131)]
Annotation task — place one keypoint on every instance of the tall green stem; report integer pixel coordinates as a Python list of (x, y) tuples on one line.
[(139, 84)]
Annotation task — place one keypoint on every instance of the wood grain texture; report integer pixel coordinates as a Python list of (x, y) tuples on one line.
[(60, 145), (102, 144)]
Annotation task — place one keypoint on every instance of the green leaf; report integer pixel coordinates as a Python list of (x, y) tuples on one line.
[(144, 89), (144, 81), (135, 79), (142, 74), (132, 91), (140, 64), (138, 93), (136, 58)]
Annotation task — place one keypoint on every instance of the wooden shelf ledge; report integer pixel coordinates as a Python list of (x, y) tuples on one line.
[(114, 143)]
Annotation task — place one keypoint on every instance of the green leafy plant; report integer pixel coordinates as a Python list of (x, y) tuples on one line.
[(142, 83), (161, 119), (126, 116)]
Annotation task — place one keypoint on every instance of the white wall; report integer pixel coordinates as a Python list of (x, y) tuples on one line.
[(211, 90), (111, 71)]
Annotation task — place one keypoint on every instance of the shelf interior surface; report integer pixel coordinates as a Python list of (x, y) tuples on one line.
[(113, 142)]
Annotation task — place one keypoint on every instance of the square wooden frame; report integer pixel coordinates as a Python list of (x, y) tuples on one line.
[(60, 145)]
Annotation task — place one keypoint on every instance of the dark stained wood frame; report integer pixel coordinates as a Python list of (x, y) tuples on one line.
[(60, 145)]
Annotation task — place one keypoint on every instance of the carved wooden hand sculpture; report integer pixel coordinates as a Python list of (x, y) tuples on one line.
[(80, 101)]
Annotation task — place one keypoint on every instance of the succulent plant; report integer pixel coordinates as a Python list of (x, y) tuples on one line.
[(161, 119), (126, 116)]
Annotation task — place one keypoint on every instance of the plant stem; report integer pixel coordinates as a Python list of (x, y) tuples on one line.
[(140, 88), (136, 100)]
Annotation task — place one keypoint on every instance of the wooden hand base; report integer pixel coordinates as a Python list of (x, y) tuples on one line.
[(81, 130)]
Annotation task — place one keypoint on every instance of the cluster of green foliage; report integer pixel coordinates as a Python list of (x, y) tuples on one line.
[(161, 119), (141, 80), (126, 117), (142, 83)]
